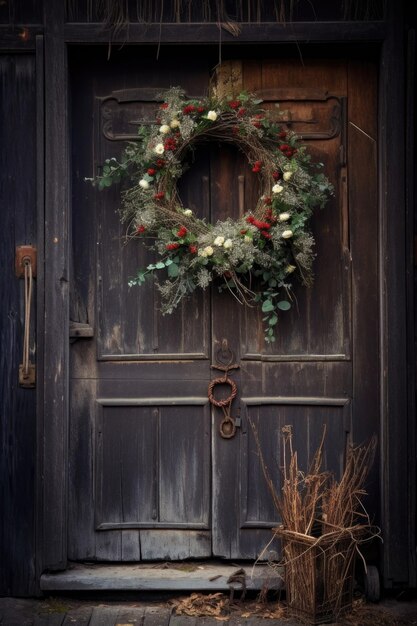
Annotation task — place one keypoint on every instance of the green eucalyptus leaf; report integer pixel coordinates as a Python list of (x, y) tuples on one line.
[(267, 306), (284, 305), (173, 270), (160, 265)]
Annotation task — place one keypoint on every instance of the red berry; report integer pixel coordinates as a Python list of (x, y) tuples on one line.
[(182, 232), (151, 171)]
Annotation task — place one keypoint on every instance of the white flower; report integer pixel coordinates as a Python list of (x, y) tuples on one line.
[(208, 251), (144, 184), (228, 243), (287, 175), (277, 188), (212, 115), (164, 129), (175, 123), (159, 148), (287, 234), (290, 268), (247, 239), (219, 241), (188, 212), (283, 217)]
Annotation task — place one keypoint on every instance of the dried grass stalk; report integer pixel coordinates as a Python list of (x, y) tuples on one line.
[(323, 523)]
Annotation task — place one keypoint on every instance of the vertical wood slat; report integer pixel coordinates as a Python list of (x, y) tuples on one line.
[(393, 339), (40, 301), (363, 204), (411, 331), (56, 330), (17, 405)]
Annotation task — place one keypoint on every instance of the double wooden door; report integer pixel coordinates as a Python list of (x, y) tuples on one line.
[(150, 476)]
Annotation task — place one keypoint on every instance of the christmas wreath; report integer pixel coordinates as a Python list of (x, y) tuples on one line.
[(256, 256)]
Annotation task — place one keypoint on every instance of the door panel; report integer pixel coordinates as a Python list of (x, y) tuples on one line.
[(150, 476), (143, 450)]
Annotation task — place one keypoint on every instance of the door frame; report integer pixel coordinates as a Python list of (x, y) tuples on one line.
[(395, 261)]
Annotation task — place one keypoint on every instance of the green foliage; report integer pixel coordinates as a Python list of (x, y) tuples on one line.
[(256, 256)]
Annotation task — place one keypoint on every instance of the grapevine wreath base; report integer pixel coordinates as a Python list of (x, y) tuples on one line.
[(256, 256)]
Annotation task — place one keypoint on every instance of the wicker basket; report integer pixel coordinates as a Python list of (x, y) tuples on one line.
[(319, 574)]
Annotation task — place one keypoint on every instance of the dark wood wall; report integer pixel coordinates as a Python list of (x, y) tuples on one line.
[(17, 405), (21, 120)]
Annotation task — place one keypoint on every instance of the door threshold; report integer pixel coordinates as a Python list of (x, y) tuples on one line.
[(185, 576)]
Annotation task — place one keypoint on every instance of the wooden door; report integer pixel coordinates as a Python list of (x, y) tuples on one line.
[(150, 477)]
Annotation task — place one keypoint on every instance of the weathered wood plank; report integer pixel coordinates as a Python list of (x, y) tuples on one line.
[(156, 616), (55, 619), (209, 33), (40, 281), (362, 159), (104, 616), (55, 375), (192, 577), (19, 39), (131, 615), (183, 620), (78, 617), (17, 405), (175, 545), (411, 190), (82, 448), (392, 269)]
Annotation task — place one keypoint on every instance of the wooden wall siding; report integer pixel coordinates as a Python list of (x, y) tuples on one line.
[(364, 224), (394, 340), (17, 405), (53, 422), (17, 12), (214, 11), (31, 11)]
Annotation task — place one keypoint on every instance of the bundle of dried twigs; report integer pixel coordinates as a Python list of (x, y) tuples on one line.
[(323, 523)]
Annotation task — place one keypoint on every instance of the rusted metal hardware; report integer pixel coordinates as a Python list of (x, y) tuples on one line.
[(236, 580), (24, 256), (225, 358)]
